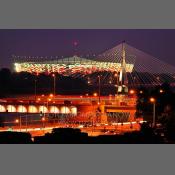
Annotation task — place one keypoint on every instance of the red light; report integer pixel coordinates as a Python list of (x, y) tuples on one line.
[(131, 92), (152, 100), (16, 121), (161, 91), (115, 75), (43, 119), (75, 43), (95, 94), (51, 95)]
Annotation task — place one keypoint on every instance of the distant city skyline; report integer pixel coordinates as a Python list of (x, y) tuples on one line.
[(59, 42)]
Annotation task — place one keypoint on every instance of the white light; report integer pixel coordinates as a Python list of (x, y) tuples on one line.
[(74, 110), (2, 108), (22, 109), (80, 126), (33, 109), (43, 109), (65, 110), (17, 67), (11, 108), (54, 109)]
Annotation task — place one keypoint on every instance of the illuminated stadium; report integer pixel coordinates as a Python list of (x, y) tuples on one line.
[(71, 65), (121, 63)]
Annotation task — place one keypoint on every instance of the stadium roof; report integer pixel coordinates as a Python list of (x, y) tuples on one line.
[(71, 64)]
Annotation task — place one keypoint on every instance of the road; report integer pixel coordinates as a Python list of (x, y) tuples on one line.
[(39, 130)]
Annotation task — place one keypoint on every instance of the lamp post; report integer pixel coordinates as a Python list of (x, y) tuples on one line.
[(43, 119), (117, 82), (153, 101), (26, 123), (35, 88), (89, 82), (99, 88), (19, 121), (48, 100), (54, 84), (132, 92), (161, 91)]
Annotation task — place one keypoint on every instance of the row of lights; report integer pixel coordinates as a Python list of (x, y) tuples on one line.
[(132, 91), (110, 81), (95, 94), (42, 119), (48, 99)]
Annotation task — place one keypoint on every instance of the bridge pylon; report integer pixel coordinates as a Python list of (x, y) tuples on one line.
[(122, 87)]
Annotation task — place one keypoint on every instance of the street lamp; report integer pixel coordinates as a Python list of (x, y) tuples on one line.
[(18, 121), (47, 103), (141, 92), (94, 94), (132, 91), (51, 95), (43, 119), (38, 100), (26, 123), (161, 91), (153, 101), (99, 88), (35, 88), (54, 84), (88, 81)]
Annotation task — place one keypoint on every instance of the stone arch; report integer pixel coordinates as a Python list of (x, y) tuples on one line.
[(2, 108), (65, 110), (43, 109), (11, 108), (22, 109), (32, 109), (54, 109), (73, 110)]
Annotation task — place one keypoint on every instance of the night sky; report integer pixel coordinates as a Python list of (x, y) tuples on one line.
[(158, 43)]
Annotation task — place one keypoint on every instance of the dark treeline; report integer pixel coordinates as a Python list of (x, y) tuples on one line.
[(164, 105), (146, 135), (24, 83), (164, 99), (13, 83)]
